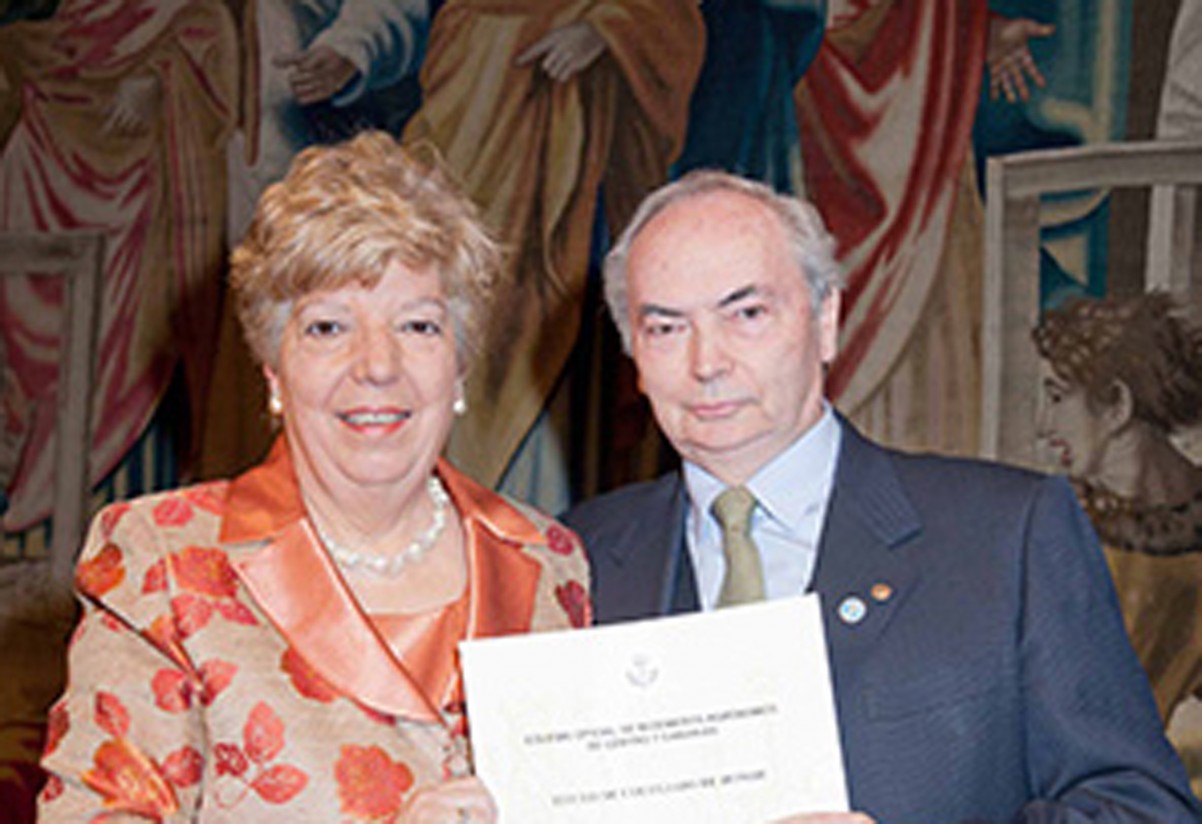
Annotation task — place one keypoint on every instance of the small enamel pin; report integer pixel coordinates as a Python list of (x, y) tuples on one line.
[(852, 609)]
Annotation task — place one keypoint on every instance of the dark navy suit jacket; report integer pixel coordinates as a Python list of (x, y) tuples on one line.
[(994, 684)]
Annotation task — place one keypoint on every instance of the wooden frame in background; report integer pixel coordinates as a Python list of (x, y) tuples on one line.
[(77, 257), (1015, 183)]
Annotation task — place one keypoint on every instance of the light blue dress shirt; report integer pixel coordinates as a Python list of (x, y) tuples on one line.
[(793, 491)]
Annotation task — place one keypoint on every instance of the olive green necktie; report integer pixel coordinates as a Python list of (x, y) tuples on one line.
[(744, 581)]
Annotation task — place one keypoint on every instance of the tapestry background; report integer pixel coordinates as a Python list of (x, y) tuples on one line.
[(157, 123)]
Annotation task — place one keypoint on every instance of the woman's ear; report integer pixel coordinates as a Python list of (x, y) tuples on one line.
[(275, 402), (459, 404)]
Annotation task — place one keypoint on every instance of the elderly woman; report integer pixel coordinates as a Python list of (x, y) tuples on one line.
[(282, 647), (1120, 376)]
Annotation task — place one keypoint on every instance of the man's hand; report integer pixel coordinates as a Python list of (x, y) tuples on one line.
[(1008, 56), (317, 74), (564, 52)]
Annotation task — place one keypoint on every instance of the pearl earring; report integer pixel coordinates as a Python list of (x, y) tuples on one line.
[(459, 407), (274, 405)]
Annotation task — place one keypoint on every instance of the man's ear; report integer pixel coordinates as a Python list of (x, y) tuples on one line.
[(828, 325)]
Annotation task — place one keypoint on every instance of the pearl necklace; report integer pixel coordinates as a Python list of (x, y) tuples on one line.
[(391, 565)]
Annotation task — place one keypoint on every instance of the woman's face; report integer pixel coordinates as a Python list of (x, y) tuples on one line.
[(1074, 431), (368, 378)]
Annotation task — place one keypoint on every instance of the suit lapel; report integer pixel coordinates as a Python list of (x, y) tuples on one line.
[(684, 582), (643, 543), (863, 575), (672, 573)]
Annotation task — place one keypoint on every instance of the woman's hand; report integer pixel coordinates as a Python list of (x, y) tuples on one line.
[(451, 802)]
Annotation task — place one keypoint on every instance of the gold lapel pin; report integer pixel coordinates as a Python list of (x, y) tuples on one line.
[(881, 592)]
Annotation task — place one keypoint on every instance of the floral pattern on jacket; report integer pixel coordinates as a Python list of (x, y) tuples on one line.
[(222, 671)]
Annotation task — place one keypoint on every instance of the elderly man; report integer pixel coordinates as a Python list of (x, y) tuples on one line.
[(979, 664)]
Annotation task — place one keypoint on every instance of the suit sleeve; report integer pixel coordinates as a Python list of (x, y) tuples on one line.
[(1095, 747)]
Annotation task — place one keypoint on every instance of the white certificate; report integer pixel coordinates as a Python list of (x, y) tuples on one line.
[(723, 716)]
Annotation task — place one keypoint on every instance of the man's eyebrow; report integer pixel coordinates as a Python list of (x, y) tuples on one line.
[(743, 292), (648, 309), (739, 294)]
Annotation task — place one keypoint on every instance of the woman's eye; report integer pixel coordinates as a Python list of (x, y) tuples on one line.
[(323, 328), (422, 326)]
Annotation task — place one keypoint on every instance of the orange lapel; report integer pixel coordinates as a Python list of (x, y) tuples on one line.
[(503, 578), (297, 585)]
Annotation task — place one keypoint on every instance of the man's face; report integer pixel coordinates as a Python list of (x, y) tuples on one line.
[(728, 348)]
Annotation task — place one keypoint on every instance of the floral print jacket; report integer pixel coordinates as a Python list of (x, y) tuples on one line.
[(222, 670)]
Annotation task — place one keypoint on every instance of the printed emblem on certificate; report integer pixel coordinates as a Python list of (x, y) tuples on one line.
[(712, 717)]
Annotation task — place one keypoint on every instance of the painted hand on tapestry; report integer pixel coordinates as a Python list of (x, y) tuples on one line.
[(136, 104), (1008, 56), (317, 74), (566, 51)]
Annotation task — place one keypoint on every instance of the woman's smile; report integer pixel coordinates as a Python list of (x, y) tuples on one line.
[(374, 419)]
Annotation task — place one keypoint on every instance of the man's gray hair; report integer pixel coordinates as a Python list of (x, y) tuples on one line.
[(813, 246)]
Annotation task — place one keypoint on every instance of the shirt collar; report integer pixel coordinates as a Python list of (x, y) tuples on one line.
[(786, 487)]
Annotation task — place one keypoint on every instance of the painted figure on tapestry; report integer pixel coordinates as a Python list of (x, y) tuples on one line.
[(115, 115), (319, 72), (1180, 115), (1121, 376), (122, 113), (742, 117), (886, 110), (538, 106)]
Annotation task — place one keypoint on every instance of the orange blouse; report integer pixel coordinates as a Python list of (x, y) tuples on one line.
[(426, 642)]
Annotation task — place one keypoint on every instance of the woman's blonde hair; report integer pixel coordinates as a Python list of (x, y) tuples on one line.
[(342, 215)]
